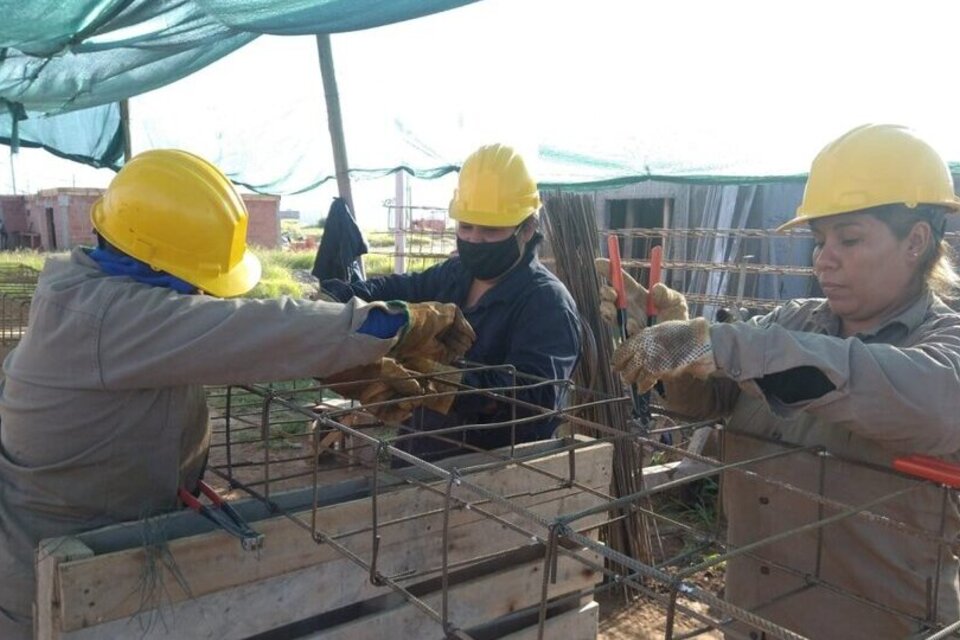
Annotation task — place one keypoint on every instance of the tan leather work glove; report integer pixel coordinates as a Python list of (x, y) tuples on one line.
[(380, 381), (435, 330), (670, 304), (666, 350), (435, 384)]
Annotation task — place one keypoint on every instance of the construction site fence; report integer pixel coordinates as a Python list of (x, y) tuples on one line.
[(759, 268)]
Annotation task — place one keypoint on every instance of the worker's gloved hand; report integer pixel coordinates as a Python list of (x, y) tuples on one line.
[(670, 304), (436, 331), (381, 381), (443, 380), (324, 296), (666, 350)]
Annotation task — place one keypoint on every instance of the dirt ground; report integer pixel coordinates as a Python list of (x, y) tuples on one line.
[(644, 618)]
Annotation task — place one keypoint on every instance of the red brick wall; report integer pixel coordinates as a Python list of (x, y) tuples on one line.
[(71, 217), (78, 213), (37, 206), (263, 227), (13, 212)]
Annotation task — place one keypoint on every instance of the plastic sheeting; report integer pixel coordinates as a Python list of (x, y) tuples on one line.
[(59, 56), (91, 136), (595, 94)]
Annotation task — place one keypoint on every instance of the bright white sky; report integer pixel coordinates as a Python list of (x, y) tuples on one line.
[(735, 86)]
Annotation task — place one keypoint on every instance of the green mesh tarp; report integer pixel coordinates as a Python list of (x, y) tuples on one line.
[(598, 93), (79, 56), (91, 136)]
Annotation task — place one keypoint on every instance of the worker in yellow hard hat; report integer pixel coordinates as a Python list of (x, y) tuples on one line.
[(522, 314), (103, 415), (867, 373)]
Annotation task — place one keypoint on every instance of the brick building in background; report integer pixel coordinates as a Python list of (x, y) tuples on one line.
[(59, 219)]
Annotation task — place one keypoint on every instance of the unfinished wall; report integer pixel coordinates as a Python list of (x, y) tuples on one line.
[(59, 219), (263, 228), (13, 213)]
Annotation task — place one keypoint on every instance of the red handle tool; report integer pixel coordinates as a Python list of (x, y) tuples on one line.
[(222, 514), (641, 403), (929, 468), (616, 271)]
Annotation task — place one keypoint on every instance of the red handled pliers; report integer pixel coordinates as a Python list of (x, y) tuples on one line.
[(222, 514)]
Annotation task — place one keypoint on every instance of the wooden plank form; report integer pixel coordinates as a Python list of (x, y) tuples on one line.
[(234, 594), (471, 603), (577, 624)]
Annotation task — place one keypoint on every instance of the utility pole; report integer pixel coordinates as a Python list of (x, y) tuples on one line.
[(125, 128), (334, 119), (335, 124)]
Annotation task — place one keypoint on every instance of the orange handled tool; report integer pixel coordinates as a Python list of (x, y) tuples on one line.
[(222, 513), (616, 281), (641, 403), (929, 468)]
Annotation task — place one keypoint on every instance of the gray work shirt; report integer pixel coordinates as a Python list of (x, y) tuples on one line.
[(896, 391), (103, 414)]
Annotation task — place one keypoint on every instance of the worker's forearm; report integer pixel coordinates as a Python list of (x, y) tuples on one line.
[(905, 398)]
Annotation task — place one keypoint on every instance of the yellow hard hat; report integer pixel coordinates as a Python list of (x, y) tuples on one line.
[(178, 213), (495, 189), (874, 165)]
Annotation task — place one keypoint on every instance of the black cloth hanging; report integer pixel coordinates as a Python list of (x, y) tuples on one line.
[(341, 246)]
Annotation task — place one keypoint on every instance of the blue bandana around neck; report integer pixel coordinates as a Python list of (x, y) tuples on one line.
[(118, 264)]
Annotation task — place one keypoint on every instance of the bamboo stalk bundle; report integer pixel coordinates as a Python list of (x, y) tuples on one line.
[(570, 227)]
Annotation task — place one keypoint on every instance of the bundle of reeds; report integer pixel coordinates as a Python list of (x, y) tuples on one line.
[(571, 230)]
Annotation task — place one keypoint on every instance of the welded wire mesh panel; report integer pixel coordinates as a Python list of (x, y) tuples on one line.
[(760, 269), (17, 284), (422, 520), (419, 237), (416, 521)]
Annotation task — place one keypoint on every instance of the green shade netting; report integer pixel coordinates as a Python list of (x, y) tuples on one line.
[(598, 93)]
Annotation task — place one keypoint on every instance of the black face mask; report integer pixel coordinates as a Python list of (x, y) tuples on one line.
[(489, 260)]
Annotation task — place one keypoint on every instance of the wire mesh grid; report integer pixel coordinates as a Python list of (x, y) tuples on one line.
[(17, 284), (758, 270), (422, 237), (303, 434)]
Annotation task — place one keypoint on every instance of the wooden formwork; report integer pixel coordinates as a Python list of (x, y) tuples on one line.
[(199, 583)]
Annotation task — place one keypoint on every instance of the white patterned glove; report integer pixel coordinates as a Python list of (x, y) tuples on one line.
[(670, 304), (664, 351)]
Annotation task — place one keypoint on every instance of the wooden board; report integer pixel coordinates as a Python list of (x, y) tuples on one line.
[(470, 603), (50, 554), (292, 565), (577, 624)]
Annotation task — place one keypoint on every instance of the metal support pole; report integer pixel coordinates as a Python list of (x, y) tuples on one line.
[(335, 124), (742, 282), (13, 170), (334, 120), (399, 219), (125, 127)]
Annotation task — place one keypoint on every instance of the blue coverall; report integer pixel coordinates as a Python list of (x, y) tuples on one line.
[(528, 319)]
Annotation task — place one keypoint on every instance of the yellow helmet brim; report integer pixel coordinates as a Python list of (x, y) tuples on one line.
[(240, 279)]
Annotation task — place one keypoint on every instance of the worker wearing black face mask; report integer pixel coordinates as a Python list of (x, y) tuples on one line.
[(489, 260), (522, 314)]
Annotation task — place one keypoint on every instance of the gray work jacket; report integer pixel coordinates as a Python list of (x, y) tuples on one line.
[(103, 414), (896, 391)]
